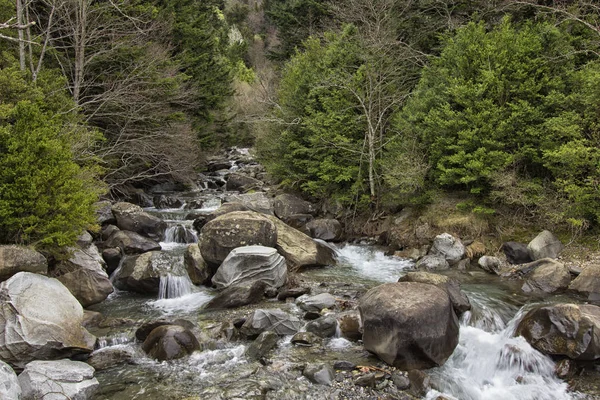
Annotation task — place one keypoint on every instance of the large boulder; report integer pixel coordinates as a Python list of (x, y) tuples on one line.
[(196, 267), (170, 342), (299, 249), (275, 320), (9, 384), (236, 229), (242, 183), (30, 329), (258, 201), (448, 246), (544, 245), (325, 229), (84, 276), (588, 282), (133, 218), (131, 242), (57, 380), (548, 276), (248, 264), (516, 253), (409, 325), (142, 273), (238, 296), (15, 259), (571, 330), (287, 205), (459, 300)]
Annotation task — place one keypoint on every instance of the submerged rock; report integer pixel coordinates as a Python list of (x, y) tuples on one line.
[(63, 379), (15, 259), (545, 245), (30, 329), (170, 342), (409, 325), (249, 264)]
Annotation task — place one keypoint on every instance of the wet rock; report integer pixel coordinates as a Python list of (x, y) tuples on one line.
[(325, 326), (549, 276), (162, 201), (316, 303), (83, 274), (325, 229), (460, 301), (274, 320), (320, 374), (15, 259), (248, 264), (199, 221), (588, 283), (238, 296), (144, 330), (350, 325), (490, 264), (545, 245), (400, 381), (30, 329), (216, 165), (57, 380), (565, 369), (133, 218), (409, 325), (91, 318), (170, 342), (197, 269), (109, 357), (299, 249), (295, 292), (420, 382), (9, 384), (104, 212), (264, 343), (232, 230), (286, 205), (131, 242), (142, 273), (342, 365), (84, 240), (516, 253), (311, 315), (305, 339), (448, 246), (108, 230), (433, 263), (366, 380), (570, 330), (242, 183), (112, 257), (258, 202)]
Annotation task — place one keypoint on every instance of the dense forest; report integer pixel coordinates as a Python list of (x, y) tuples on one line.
[(372, 105)]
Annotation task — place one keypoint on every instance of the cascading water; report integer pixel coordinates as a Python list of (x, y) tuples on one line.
[(172, 286), (180, 233)]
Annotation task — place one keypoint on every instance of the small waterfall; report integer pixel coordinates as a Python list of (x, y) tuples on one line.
[(172, 286), (180, 234), (108, 341)]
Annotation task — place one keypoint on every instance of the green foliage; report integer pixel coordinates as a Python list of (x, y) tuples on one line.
[(46, 199)]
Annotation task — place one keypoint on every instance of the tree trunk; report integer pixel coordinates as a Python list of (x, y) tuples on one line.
[(20, 23)]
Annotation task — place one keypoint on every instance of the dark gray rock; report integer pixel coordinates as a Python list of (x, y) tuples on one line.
[(133, 218), (112, 257), (342, 365), (15, 259), (104, 212), (170, 342), (264, 343), (286, 205), (294, 292), (242, 183), (325, 229), (400, 381), (325, 326), (142, 273), (545, 245), (248, 264), (238, 296), (516, 253), (131, 242), (162, 201), (144, 330)]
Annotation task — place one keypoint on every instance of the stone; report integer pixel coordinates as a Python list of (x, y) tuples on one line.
[(324, 327), (238, 296), (248, 264), (170, 342), (305, 339), (325, 229), (409, 325), (197, 269), (588, 283), (350, 325), (490, 264), (433, 263), (571, 330), (319, 374), (400, 381), (9, 384), (108, 357), (286, 205), (142, 273), (108, 230), (516, 253), (548, 276), (144, 330), (235, 229), (316, 303), (84, 240), (448, 246), (58, 380), (104, 212), (14, 259), (258, 201), (83, 274), (343, 365), (420, 383), (242, 183), (264, 343), (366, 380), (31, 330), (274, 320), (544, 245), (294, 292), (112, 257), (131, 242), (299, 249), (460, 301), (133, 218), (162, 202)]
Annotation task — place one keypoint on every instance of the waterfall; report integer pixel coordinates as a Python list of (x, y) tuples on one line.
[(180, 234), (172, 286)]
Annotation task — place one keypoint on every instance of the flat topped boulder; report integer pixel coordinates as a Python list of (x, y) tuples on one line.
[(15, 259), (409, 325), (248, 264), (30, 329)]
